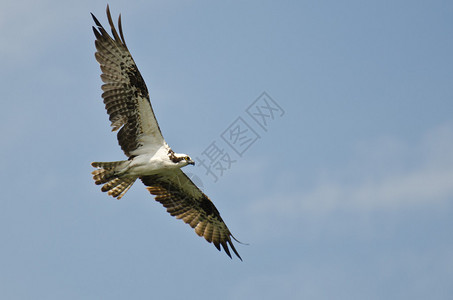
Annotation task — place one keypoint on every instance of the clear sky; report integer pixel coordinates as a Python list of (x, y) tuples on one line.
[(347, 193)]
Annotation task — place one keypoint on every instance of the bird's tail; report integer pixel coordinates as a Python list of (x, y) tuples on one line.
[(107, 173)]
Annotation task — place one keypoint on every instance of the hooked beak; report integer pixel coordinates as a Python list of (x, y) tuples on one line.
[(191, 162)]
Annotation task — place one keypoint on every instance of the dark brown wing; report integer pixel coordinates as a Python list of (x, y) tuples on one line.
[(125, 94), (184, 200)]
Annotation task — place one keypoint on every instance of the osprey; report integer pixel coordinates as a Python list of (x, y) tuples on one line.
[(150, 159)]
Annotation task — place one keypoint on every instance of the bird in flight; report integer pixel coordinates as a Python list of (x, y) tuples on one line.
[(150, 159)]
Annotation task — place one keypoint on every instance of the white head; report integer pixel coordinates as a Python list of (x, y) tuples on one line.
[(181, 160)]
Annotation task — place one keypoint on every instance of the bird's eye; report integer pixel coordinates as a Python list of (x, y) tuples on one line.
[(187, 158)]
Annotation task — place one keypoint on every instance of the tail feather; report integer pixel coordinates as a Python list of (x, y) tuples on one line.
[(106, 170), (108, 164), (119, 186), (107, 174)]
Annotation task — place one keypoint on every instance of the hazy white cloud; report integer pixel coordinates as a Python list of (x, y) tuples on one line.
[(406, 274), (386, 174)]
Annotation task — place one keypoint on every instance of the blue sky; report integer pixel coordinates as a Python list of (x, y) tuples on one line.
[(348, 195)]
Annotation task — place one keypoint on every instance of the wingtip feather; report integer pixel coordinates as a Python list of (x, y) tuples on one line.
[(225, 248), (120, 28), (96, 20), (234, 250), (112, 26)]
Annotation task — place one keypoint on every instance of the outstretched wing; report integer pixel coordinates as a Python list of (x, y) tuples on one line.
[(125, 94), (184, 200)]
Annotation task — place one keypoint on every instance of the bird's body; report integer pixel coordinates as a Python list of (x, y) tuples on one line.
[(152, 163), (150, 158)]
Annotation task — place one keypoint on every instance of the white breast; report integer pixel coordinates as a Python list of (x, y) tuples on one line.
[(150, 164)]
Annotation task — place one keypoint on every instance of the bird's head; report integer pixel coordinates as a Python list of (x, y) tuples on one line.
[(188, 160), (182, 160)]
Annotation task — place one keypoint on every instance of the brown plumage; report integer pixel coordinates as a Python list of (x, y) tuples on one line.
[(127, 102), (183, 200), (124, 88)]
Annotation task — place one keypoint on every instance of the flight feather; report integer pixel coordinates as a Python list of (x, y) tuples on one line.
[(125, 94), (128, 105)]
